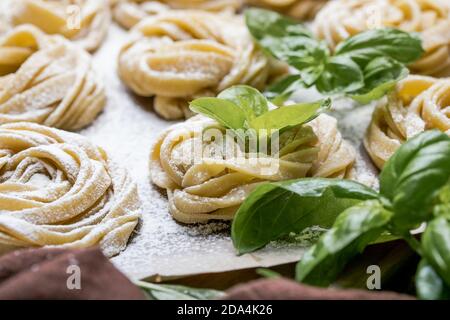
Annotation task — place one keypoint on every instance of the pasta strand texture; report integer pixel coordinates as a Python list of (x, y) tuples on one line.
[(129, 12), (419, 103), (45, 79), (180, 55), (85, 22), (298, 9), (339, 20), (59, 190), (211, 184)]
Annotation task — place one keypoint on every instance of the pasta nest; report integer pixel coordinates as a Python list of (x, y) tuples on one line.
[(180, 55), (84, 22), (419, 103), (129, 12), (211, 184), (47, 80), (59, 190), (339, 20), (299, 9)]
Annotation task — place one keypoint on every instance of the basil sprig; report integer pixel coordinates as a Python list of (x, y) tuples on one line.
[(353, 230), (413, 178), (364, 66), (276, 209), (243, 107), (414, 189)]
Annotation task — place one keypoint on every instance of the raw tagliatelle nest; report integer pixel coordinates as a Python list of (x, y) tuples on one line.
[(59, 190), (180, 55), (212, 184), (299, 9), (341, 19), (47, 80), (85, 22), (419, 103), (129, 12)]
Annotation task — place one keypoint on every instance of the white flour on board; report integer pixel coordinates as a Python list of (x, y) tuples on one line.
[(160, 246)]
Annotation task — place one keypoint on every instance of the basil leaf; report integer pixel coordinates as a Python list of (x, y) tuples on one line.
[(356, 68), (175, 292), (444, 194), (341, 75), (250, 100), (282, 90), (353, 230), (223, 111), (436, 246), (289, 116), (429, 285), (264, 24), (294, 138), (443, 205), (289, 41), (267, 273), (274, 210), (402, 46), (306, 55), (380, 76), (413, 176)]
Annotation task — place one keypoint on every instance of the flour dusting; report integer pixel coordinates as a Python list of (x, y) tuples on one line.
[(126, 129)]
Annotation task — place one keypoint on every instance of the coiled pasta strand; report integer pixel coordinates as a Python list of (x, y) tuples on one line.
[(177, 56), (129, 12), (59, 190), (299, 9), (204, 183), (45, 79), (419, 103), (84, 22)]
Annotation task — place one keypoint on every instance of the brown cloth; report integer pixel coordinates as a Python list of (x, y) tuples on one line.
[(44, 274), (283, 289)]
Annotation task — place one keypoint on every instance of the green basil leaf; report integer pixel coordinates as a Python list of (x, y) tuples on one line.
[(401, 46), (413, 177), (442, 208), (267, 273), (444, 194), (175, 292), (288, 41), (306, 55), (265, 23), (436, 246), (289, 116), (341, 75), (295, 138), (429, 285), (274, 210), (282, 90), (353, 230), (380, 76), (250, 100), (223, 111)]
